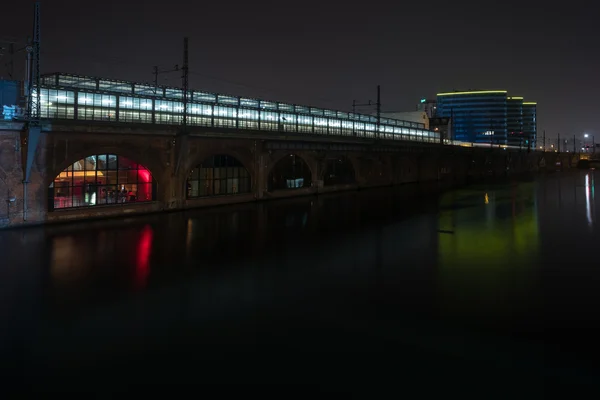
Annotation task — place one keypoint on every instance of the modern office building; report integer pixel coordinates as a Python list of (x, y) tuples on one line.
[(530, 121), (486, 116), (477, 116), (514, 124)]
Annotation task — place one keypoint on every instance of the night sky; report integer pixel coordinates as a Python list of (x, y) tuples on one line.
[(326, 55)]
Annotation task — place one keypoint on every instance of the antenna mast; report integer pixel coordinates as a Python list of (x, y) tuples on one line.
[(181, 141), (185, 81), (32, 131), (378, 111), (33, 72)]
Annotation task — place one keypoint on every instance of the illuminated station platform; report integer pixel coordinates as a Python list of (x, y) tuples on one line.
[(84, 98)]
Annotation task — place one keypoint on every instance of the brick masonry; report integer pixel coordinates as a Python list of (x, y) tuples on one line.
[(159, 149)]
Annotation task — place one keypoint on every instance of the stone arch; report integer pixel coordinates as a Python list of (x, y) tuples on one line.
[(202, 154), (218, 175), (406, 169), (338, 170), (101, 179), (151, 163), (289, 171)]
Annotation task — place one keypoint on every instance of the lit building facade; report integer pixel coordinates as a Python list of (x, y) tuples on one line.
[(477, 116), (488, 116), (514, 115), (83, 98), (101, 179), (530, 121)]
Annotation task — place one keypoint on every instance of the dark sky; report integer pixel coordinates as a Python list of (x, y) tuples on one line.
[(328, 53)]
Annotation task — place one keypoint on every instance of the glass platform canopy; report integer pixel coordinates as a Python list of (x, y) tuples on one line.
[(85, 98)]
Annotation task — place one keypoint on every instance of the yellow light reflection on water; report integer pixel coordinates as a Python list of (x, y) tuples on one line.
[(487, 256)]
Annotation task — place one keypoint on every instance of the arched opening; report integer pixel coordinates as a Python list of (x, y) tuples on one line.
[(291, 172), (339, 171), (101, 179), (219, 175)]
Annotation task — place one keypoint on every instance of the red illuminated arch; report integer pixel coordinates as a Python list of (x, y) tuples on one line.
[(101, 180)]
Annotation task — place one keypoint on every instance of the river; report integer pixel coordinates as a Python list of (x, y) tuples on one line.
[(497, 281)]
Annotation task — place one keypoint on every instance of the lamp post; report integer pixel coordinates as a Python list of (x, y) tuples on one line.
[(586, 136)]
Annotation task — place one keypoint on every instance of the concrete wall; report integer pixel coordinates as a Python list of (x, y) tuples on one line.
[(380, 164), (12, 197)]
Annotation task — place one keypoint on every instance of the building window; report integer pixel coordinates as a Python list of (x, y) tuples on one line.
[(57, 104), (219, 175), (291, 172), (103, 179)]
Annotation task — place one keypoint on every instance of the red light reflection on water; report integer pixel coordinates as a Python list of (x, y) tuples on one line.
[(142, 260)]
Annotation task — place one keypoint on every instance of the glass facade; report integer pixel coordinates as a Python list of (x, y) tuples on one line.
[(514, 115), (94, 99), (477, 116), (530, 122), (219, 175), (489, 117), (102, 179)]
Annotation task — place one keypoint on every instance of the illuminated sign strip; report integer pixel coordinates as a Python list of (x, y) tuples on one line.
[(473, 92)]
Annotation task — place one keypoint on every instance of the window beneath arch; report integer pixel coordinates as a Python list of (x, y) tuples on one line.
[(338, 171), (101, 179), (219, 175), (291, 172)]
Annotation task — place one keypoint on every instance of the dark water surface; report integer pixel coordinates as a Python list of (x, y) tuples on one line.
[(491, 283)]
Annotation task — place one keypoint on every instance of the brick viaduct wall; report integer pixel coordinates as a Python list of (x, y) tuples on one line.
[(160, 154)]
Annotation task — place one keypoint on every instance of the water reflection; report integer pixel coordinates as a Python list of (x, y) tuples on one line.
[(492, 232), (144, 249), (487, 252), (589, 190), (487, 258)]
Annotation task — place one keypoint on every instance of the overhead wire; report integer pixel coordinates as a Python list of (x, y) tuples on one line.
[(173, 78), (264, 93)]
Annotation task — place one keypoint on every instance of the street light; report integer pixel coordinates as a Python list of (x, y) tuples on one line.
[(587, 135)]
